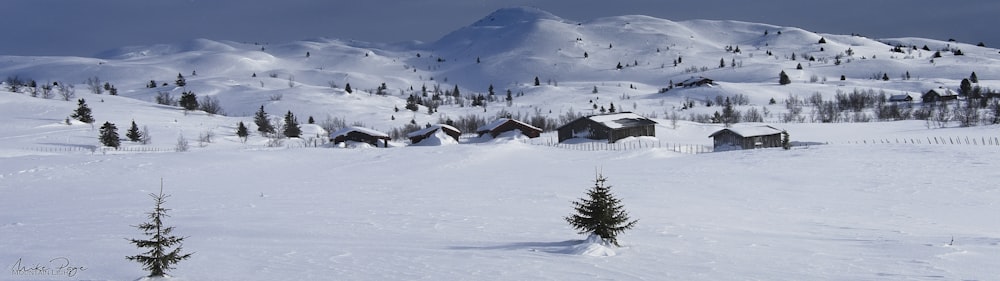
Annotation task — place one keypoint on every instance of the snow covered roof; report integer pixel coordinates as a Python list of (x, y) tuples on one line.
[(750, 131), (496, 123), (621, 120), (899, 97), (424, 131), (347, 130), (943, 92)]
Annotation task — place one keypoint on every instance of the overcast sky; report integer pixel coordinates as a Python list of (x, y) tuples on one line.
[(87, 27)]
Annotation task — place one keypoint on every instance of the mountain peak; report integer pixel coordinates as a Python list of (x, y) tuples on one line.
[(515, 15)]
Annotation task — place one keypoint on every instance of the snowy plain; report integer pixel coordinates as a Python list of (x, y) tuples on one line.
[(849, 206)]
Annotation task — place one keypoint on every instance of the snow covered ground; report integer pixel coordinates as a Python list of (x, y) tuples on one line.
[(494, 212), (858, 201)]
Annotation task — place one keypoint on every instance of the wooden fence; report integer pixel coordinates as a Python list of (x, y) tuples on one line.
[(625, 146), (986, 141)]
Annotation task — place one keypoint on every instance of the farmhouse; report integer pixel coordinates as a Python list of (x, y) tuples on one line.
[(900, 98), (612, 127), (502, 125), (416, 137), (939, 94), (359, 134), (695, 82), (746, 138)]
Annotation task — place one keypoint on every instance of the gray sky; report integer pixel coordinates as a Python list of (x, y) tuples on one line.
[(87, 27)]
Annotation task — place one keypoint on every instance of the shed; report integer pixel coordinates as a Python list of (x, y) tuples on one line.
[(696, 82), (939, 94), (612, 127), (746, 138), (502, 125), (424, 133), (900, 98), (360, 134)]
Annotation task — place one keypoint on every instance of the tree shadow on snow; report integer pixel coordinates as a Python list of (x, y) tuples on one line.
[(562, 247)]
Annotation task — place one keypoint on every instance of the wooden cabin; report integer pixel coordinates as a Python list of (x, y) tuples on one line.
[(611, 127), (502, 125), (939, 94), (695, 82), (359, 134), (417, 136), (900, 98), (746, 138)]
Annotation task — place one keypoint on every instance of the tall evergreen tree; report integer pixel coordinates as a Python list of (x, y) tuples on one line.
[(291, 129), (601, 213), (133, 134), (82, 112), (263, 122), (783, 78), (537, 83), (189, 101), (159, 259), (109, 135), (241, 131), (785, 142), (966, 87)]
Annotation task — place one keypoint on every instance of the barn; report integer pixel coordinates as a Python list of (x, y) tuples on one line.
[(502, 125), (939, 94), (417, 136), (746, 138), (611, 127), (359, 134)]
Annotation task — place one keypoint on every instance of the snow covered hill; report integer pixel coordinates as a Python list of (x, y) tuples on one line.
[(857, 203)]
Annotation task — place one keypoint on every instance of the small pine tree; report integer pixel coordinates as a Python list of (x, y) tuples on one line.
[(843, 78), (133, 134), (619, 66), (973, 78), (159, 259), (263, 123), (82, 112), (537, 83), (180, 82), (241, 131), (109, 135), (601, 213), (722, 63), (798, 66), (594, 91), (885, 77), (822, 40), (347, 88), (189, 101), (311, 120), (611, 108), (783, 78), (291, 129), (785, 142)]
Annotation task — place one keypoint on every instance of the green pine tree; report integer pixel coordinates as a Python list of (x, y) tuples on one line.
[(82, 112), (783, 78), (109, 135), (785, 141), (241, 131), (133, 134), (181, 82), (263, 122), (601, 213), (291, 129), (159, 259), (189, 101)]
